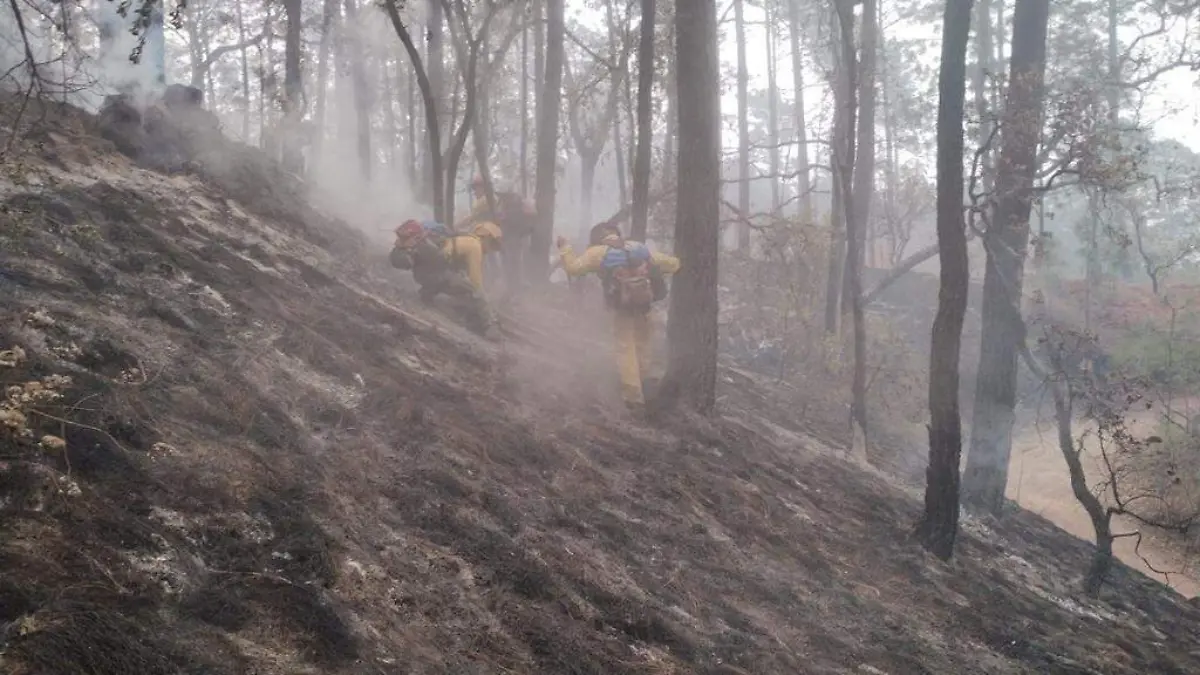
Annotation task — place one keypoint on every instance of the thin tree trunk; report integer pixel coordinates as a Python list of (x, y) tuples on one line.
[(293, 86), (743, 121), (549, 101), (891, 161), (389, 115), (245, 54), (410, 138), (772, 109), (856, 175), (864, 164), (645, 130), (433, 133), (328, 19), (983, 68), (804, 184), (525, 110), (692, 327), (842, 135), (939, 524), (669, 163), (362, 94), (1006, 242), (437, 88), (619, 157)]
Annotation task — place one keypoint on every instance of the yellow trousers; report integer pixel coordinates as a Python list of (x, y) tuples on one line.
[(633, 354)]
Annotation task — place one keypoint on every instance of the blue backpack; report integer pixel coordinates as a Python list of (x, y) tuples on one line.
[(631, 281)]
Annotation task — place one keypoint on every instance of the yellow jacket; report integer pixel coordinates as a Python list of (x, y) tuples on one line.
[(479, 210), (593, 258), (465, 251)]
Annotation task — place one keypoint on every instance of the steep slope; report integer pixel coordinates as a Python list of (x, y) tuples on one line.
[(274, 463)]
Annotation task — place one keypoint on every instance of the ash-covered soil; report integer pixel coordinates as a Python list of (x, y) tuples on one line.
[(276, 463)]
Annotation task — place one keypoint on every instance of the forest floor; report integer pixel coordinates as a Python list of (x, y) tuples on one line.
[(277, 462)]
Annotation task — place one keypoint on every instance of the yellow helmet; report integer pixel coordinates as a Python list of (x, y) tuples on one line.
[(488, 230)]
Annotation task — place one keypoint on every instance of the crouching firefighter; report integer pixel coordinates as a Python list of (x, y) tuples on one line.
[(444, 262), (632, 277)]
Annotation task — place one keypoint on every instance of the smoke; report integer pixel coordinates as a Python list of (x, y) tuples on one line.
[(81, 52), (122, 37)]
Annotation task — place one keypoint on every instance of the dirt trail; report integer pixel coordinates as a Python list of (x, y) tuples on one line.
[(1039, 481)]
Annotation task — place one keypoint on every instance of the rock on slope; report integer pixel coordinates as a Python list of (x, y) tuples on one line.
[(274, 464)]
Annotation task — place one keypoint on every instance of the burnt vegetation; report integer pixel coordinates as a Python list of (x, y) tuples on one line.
[(233, 440)]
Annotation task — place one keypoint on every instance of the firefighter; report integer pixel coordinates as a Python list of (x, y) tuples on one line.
[(632, 277), (444, 262)]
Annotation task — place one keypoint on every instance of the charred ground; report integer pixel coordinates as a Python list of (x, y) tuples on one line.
[(275, 464)]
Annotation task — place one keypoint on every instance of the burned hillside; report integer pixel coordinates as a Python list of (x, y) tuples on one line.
[(273, 460)]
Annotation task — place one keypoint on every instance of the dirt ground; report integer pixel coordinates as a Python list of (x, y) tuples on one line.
[(277, 463)]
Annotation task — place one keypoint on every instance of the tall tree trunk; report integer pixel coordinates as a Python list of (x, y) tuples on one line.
[(1114, 65), (743, 121), (856, 174), (362, 93), (619, 157), (979, 80), (410, 138), (842, 136), (389, 115), (587, 185), (293, 87), (245, 54), (525, 109), (692, 328), (433, 132), (1006, 242), (939, 524), (645, 121), (803, 182), (437, 88), (864, 164), (328, 18), (772, 109), (669, 163), (891, 161), (549, 101)]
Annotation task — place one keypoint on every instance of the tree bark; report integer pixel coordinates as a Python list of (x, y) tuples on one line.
[(293, 87), (939, 524), (844, 175), (362, 93), (241, 22), (549, 100), (1006, 242), (432, 135), (743, 122), (436, 60), (328, 18), (645, 130), (859, 214), (984, 51), (525, 109), (772, 109), (841, 142), (619, 157), (804, 184), (669, 144), (691, 376)]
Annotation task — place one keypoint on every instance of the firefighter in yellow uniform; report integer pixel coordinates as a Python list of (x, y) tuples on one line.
[(514, 214), (632, 278), (442, 262)]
